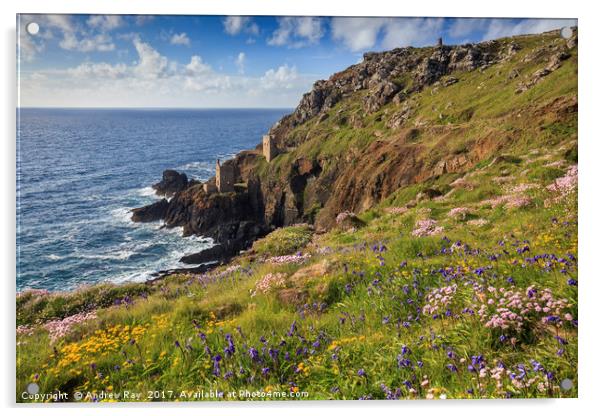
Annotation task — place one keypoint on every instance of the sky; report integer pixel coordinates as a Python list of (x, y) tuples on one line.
[(216, 61)]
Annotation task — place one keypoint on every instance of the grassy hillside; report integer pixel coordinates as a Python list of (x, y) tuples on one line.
[(469, 294), (473, 114)]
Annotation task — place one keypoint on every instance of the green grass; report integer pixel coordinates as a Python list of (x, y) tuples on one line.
[(365, 286), (284, 241)]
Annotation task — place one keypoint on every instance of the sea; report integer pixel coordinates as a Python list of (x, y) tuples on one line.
[(81, 171)]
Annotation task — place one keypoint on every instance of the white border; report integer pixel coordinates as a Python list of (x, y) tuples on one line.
[(590, 371)]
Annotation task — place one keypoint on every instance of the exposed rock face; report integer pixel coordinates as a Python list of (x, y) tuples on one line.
[(390, 75), (201, 214), (153, 212), (171, 183), (315, 188), (379, 95), (215, 253)]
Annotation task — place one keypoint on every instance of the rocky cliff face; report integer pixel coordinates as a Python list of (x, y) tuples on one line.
[(391, 75), (398, 118)]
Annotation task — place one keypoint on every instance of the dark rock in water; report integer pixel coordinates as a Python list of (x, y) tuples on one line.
[(231, 238), (152, 212), (171, 183), (216, 253)]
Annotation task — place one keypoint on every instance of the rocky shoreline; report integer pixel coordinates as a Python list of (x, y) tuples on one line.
[(224, 218), (285, 180)]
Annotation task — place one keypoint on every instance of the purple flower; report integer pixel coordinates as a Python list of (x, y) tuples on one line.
[(216, 367), (361, 372), (230, 349), (254, 354), (571, 282), (452, 368), (265, 371), (293, 328), (403, 362)]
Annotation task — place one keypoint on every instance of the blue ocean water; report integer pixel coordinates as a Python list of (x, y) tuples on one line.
[(80, 171)]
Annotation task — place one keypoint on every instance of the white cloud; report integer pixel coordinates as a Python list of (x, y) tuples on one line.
[(143, 19), (283, 77), (99, 70), (233, 25), (105, 22), (197, 66), (151, 64), (180, 39), (296, 32), (506, 27), (362, 33), (72, 36), (463, 27), (357, 33), (60, 21), (100, 42), (400, 32), (240, 62)]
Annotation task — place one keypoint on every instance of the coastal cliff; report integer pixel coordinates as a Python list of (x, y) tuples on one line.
[(398, 119), (438, 256)]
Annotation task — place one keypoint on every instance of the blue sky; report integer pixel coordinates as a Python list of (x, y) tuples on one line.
[(216, 61)]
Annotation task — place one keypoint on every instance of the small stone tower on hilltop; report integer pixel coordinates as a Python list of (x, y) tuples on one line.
[(224, 177), (269, 148), (440, 42)]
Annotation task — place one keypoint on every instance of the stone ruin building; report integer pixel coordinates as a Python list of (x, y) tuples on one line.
[(224, 177), (269, 148)]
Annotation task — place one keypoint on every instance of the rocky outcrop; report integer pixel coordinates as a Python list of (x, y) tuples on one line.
[(317, 187), (390, 75), (149, 213), (171, 183), (553, 64), (217, 253)]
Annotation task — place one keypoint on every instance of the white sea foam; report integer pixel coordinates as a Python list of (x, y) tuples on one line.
[(116, 255), (146, 192), (123, 215), (203, 166)]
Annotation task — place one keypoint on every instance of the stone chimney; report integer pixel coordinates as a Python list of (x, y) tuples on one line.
[(224, 177), (269, 149)]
